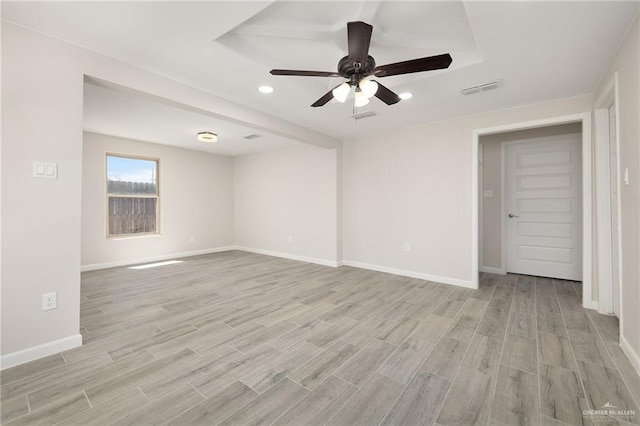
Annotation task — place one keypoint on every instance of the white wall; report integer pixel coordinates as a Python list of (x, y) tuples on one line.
[(42, 121), (196, 198), (414, 186), (288, 192), (492, 180), (627, 64)]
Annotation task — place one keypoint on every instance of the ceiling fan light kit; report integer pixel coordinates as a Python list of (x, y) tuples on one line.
[(358, 65)]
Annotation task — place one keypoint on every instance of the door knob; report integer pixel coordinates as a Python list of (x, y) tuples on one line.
[(511, 215)]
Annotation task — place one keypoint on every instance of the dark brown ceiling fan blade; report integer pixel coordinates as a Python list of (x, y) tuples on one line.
[(415, 65), (359, 38), (326, 98), (303, 73), (386, 95)]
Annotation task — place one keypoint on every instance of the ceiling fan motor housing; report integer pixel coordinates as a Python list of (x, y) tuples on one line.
[(355, 71)]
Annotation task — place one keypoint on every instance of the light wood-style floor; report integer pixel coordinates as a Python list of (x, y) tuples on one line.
[(236, 338)]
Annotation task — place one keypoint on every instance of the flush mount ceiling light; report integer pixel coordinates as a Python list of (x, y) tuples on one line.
[(406, 95), (208, 137), (265, 89)]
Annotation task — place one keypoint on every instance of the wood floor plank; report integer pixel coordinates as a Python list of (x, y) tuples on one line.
[(9, 375), (266, 408), (365, 362), (228, 372), (299, 334), (399, 330), (370, 403), (110, 411), (463, 328), (520, 352), (579, 321), (483, 354), (468, 400), (320, 405), (314, 372), (588, 347), (74, 384), (158, 387), (112, 387), (420, 401), (271, 373), (445, 358), (552, 323), (13, 408), (522, 324), (556, 350), (516, 398), (406, 360), (324, 338), (603, 385), (262, 336), (494, 321), (217, 407), (167, 407), (561, 394), (55, 412)]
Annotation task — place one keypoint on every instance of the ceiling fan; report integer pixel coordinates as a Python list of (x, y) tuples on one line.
[(358, 65)]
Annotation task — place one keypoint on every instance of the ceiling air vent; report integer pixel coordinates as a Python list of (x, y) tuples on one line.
[(251, 136), (363, 115), (482, 87)]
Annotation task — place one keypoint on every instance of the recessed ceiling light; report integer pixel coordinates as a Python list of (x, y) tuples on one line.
[(265, 89), (406, 95), (207, 137)]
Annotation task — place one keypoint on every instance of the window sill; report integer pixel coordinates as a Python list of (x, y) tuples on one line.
[(132, 237)]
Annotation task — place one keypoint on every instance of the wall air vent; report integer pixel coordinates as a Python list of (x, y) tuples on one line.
[(251, 136), (363, 115), (482, 87)]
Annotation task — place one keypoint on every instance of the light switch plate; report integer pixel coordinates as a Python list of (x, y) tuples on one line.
[(45, 170)]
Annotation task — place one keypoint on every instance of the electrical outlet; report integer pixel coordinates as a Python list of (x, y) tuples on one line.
[(49, 301), (407, 247)]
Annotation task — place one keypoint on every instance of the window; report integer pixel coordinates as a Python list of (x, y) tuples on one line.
[(132, 195)]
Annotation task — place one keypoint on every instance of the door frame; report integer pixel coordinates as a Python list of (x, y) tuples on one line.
[(587, 254), (608, 97)]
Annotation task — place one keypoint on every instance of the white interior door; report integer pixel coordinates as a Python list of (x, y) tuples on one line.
[(543, 203), (613, 168)]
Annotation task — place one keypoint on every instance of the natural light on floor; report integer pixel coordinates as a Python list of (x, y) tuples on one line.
[(153, 265)]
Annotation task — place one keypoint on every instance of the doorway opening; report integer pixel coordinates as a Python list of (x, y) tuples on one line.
[(551, 166)]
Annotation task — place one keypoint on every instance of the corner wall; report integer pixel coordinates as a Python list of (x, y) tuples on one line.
[(196, 199), (290, 192)]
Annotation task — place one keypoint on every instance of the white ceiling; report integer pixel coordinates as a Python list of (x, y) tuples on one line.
[(541, 50), (131, 116)]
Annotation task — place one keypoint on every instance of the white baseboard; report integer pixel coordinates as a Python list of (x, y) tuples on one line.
[(324, 262), (492, 270), (40, 351), (634, 358), (96, 266), (411, 274)]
